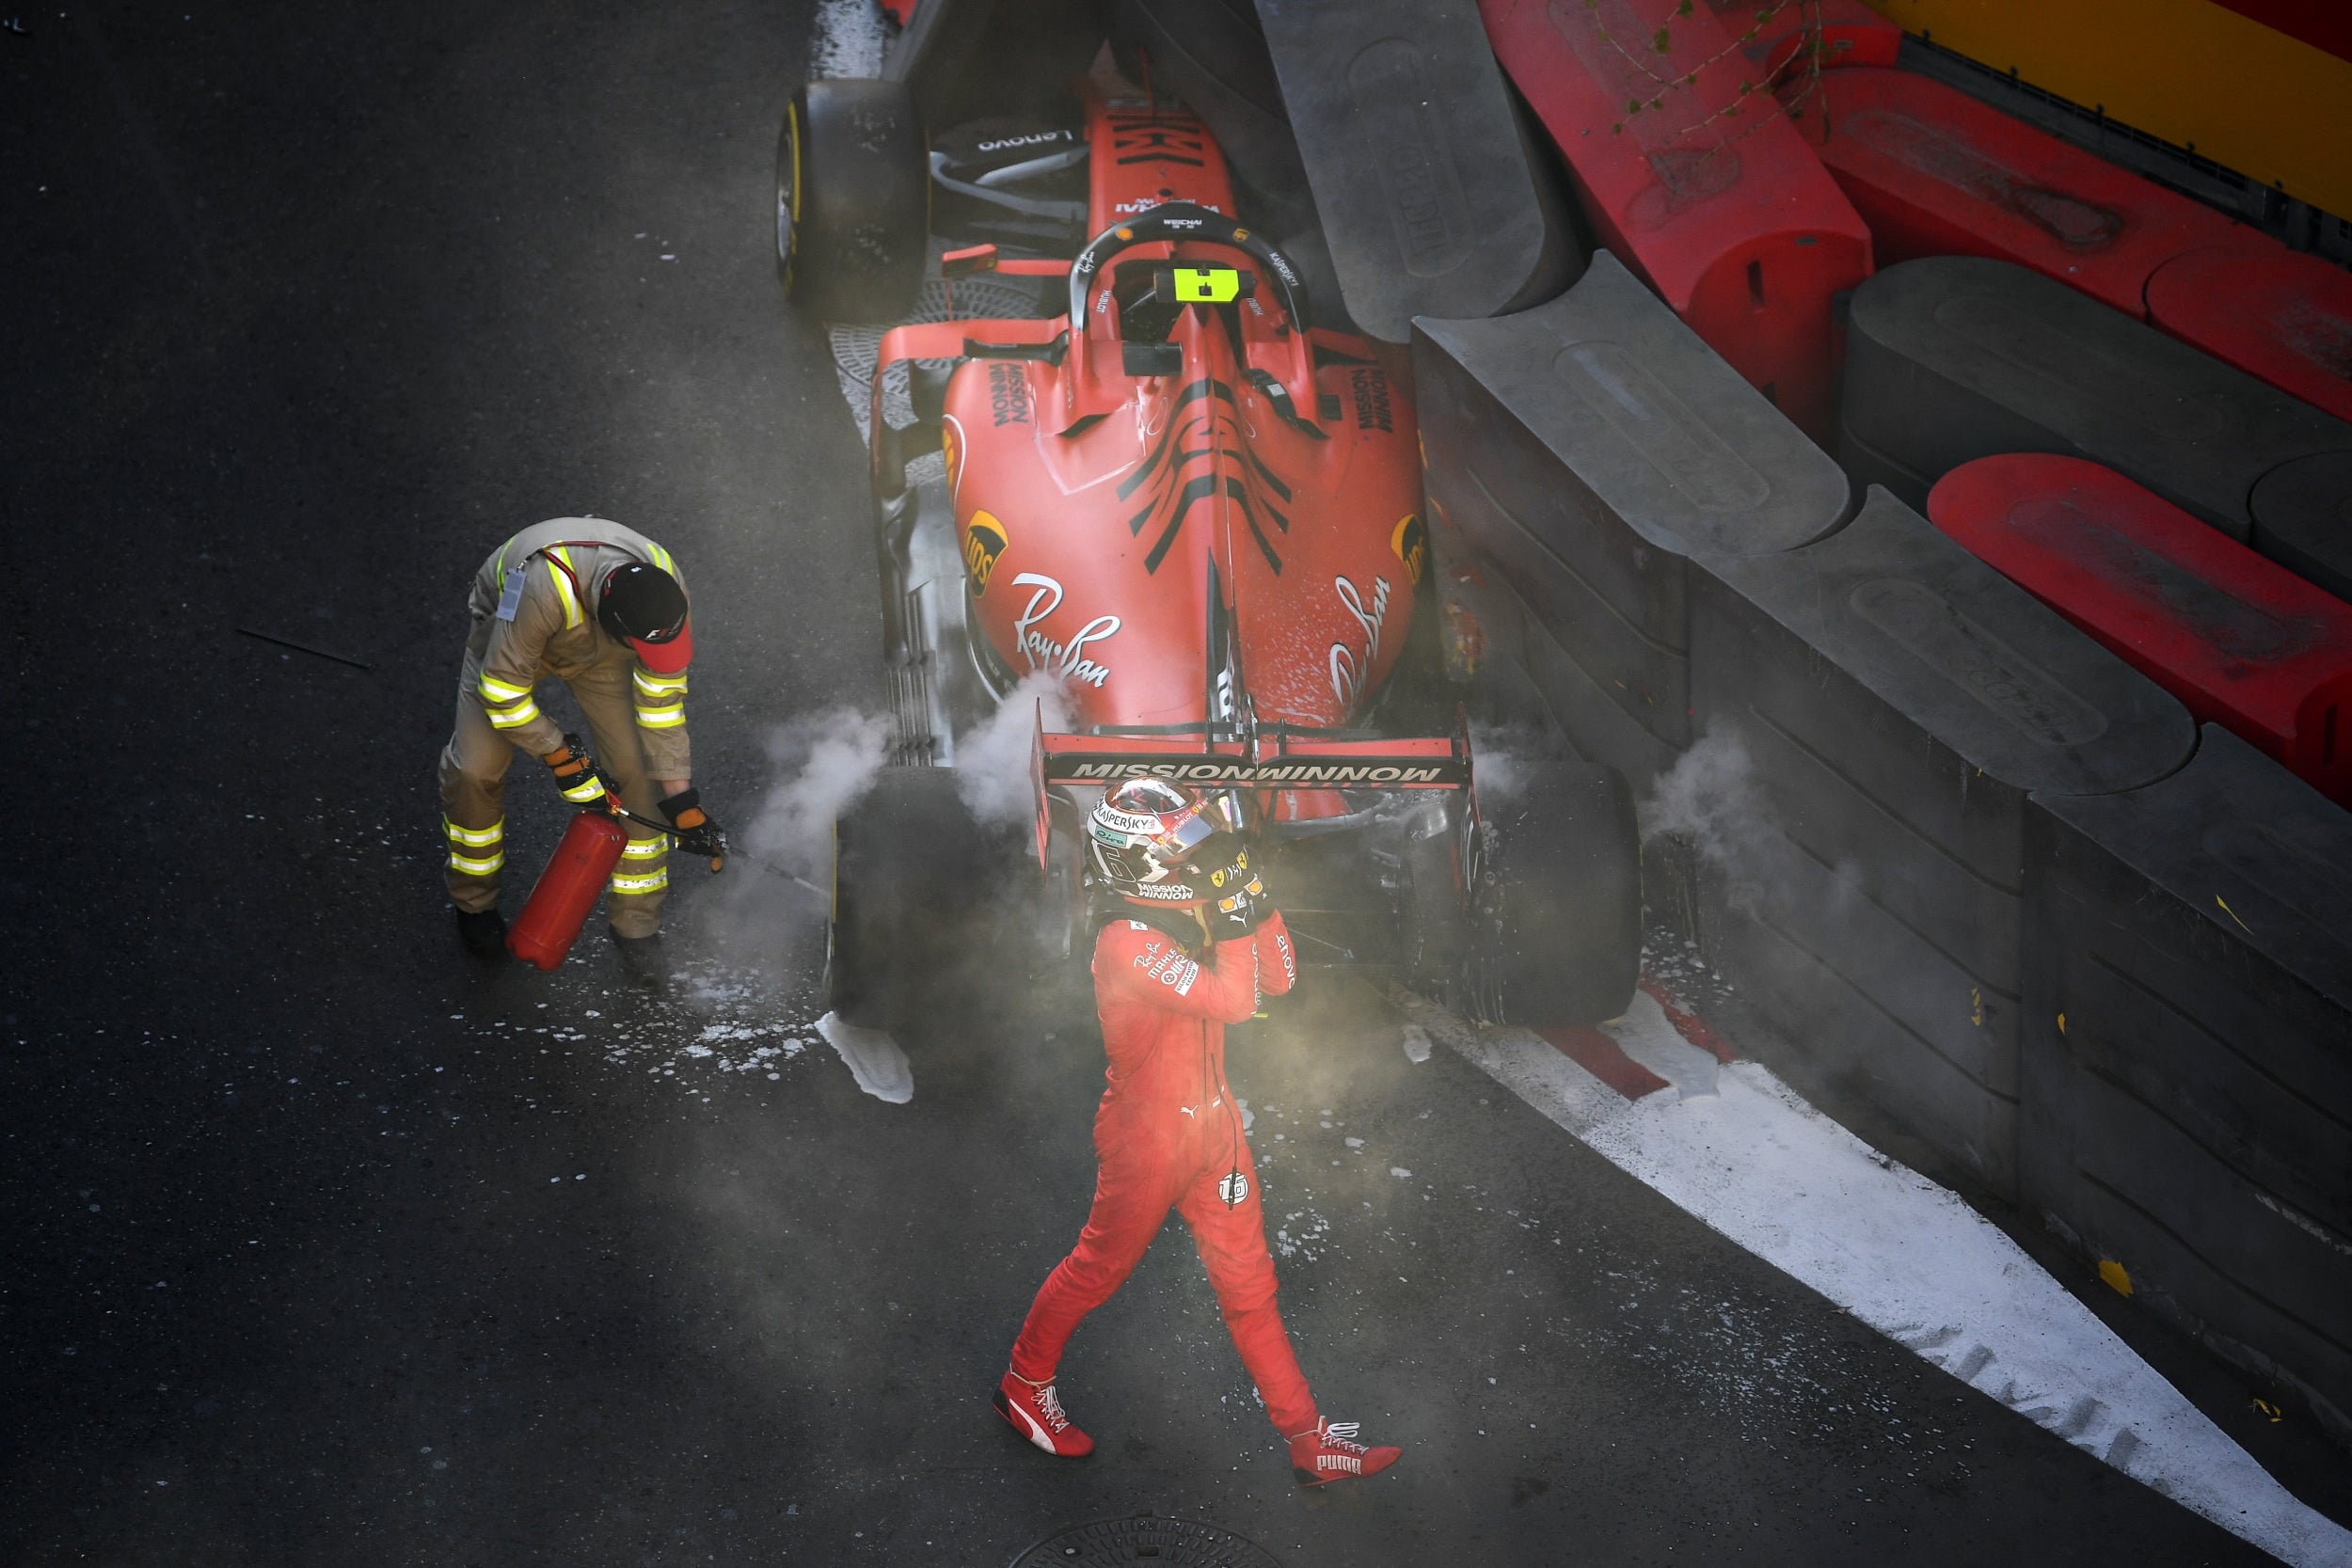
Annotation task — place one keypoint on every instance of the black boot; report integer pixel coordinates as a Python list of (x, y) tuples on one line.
[(643, 959), (483, 932)]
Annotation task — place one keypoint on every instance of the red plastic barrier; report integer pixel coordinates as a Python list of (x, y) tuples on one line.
[(1934, 173), (2242, 642), (2273, 312), (1851, 34), (1706, 191)]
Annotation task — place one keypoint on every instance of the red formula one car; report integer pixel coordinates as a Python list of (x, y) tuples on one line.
[(1169, 493)]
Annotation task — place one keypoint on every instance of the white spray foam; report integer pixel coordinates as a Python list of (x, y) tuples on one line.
[(847, 38), (873, 1059), (1756, 1163)]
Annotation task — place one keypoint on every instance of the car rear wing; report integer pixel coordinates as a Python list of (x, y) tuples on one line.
[(1277, 759)]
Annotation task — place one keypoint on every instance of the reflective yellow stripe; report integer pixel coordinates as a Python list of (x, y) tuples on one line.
[(475, 838), (563, 585), (472, 867), (585, 792), (661, 557), (661, 718), (652, 685), (500, 693), (514, 718), (645, 849), (652, 882)]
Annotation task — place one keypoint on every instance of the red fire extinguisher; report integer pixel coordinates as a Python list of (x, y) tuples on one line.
[(567, 889)]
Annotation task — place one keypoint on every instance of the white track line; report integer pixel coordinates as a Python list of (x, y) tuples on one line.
[(1755, 1163)]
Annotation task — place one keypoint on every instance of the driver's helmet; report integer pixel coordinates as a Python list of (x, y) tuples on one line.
[(1146, 839)]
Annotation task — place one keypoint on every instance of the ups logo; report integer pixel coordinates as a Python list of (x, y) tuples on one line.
[(1409, 539), (983, 542)]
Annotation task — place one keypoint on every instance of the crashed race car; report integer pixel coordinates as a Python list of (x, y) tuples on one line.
[(1198, 515)]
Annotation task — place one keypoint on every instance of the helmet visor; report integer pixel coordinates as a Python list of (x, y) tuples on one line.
[(1176, 842)]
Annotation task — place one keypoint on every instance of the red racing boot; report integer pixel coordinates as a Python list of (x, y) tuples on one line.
[(1034, 1411), (1330, 1452)]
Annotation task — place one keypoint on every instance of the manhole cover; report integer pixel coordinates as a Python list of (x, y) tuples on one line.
[(1146, 1538)]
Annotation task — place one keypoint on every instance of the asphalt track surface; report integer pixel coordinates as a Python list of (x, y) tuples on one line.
[(323, 1246)]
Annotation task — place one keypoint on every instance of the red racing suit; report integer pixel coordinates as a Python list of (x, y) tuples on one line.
[(1167, 1136)]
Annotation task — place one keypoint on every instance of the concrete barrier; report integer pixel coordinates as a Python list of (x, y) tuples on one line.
[(1588, 449), (1957, 358), (2187, 1055), (1897, 700)]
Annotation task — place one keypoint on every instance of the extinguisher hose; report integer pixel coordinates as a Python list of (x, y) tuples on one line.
[(717, 862)]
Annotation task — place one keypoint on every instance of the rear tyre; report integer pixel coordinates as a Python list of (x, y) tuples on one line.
[(853, 201), (910, 866), (1430, 926), (1556, 899)]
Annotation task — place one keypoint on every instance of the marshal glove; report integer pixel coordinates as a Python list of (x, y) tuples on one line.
[(575, 773), (698, 832)]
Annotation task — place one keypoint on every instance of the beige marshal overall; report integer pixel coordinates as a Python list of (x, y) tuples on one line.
[(636, 719)]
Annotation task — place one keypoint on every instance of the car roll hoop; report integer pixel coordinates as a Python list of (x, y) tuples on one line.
[(1087, 391)]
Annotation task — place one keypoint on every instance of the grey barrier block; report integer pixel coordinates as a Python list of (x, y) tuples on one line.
[(2303, 519), (2187, 1054), (1587, 448), (1430, 191), (1952, 358), (1898, 699)]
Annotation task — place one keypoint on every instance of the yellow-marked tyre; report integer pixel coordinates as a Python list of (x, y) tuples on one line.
[(853, 201)]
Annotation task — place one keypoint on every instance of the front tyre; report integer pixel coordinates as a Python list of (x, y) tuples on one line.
[(852, 200), (1555, 907)]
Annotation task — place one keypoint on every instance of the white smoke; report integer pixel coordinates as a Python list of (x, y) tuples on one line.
[(1710, 797), (992, 758), (1712, 801), (1500, 753), (824, 762)]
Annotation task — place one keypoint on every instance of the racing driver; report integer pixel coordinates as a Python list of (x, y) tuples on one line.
[(1189, 940)]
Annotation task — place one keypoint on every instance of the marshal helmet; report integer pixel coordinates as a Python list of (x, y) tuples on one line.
[(644, 606)]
